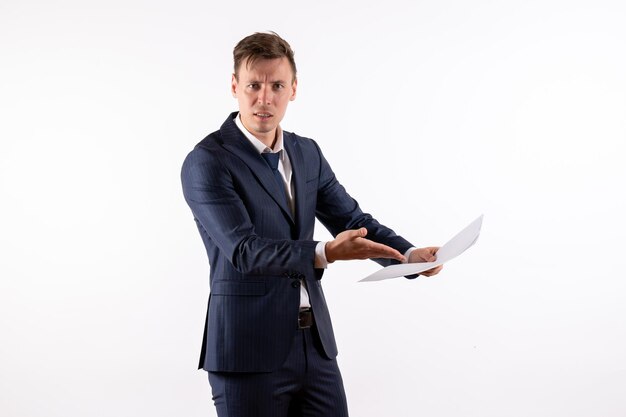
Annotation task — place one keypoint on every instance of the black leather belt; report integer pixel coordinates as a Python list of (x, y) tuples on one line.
[(305, 319)]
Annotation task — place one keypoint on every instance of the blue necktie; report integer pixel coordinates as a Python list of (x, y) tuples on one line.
[(272, 161)]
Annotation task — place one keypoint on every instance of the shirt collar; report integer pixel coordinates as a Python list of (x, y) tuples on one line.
[(258, 145)]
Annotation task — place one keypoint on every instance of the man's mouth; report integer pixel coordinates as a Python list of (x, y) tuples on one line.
[(263, 115)]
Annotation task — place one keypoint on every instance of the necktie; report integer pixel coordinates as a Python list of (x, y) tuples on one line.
[(272, 161)]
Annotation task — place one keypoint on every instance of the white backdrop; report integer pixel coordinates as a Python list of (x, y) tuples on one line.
[(430, 113)]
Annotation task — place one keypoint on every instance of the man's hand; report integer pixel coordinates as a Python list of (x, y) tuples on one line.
[(351, 244), (426, 255)]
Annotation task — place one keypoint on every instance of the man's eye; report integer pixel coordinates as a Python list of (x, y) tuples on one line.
[(278, 86), (253, 86)]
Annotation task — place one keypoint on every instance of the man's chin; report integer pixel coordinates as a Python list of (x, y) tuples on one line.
[(262, 127), (257, 126)]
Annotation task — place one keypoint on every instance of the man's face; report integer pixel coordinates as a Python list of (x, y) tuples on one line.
[(263, 91)]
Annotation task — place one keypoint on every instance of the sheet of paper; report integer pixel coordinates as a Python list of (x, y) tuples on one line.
[(453, 248)]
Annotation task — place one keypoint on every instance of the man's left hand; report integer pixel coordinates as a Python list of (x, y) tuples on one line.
[(426, 255)]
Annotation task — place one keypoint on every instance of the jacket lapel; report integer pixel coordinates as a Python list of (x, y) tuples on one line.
[(297, 171), (236, 143)]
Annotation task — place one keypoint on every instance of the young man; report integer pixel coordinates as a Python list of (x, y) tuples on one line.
[(255, 191)]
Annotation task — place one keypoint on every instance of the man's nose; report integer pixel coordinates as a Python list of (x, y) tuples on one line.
[(265, 95)]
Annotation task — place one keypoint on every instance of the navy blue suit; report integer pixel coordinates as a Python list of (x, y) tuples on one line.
[(259, 252)]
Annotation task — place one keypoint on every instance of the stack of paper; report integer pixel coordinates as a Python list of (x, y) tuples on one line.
[(453, 248)]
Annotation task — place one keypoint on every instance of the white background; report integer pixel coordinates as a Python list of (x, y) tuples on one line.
[(430, 113)]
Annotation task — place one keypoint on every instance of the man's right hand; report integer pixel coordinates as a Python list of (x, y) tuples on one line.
[(351, 244)]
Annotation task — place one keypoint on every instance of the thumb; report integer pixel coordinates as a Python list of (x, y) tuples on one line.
[(427, 255), (362, 232)]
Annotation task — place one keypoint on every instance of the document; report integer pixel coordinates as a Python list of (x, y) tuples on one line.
[(453, 248)]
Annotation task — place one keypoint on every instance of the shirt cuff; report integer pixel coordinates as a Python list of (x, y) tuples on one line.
[(407, 254), (320, 255)]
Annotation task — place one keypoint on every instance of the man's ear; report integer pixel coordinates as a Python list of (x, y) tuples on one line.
[(293, 89), (233, 85)]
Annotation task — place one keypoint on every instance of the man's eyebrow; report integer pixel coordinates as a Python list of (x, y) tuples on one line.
[(253, 81)]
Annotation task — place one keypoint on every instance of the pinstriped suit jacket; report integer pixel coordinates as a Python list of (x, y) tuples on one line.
[(258, 252)]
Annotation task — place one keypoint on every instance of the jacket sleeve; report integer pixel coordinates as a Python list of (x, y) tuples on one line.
[(338, 211), (220, 213)]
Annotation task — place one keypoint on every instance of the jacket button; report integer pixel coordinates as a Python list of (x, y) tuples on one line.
[(295, 284)]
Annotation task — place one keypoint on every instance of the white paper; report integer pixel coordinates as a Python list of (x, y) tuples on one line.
[(453, 248)]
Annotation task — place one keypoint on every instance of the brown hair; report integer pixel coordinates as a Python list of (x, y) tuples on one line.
[(262, 46)]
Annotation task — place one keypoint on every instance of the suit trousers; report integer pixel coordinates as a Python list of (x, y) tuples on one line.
[(306, 385)]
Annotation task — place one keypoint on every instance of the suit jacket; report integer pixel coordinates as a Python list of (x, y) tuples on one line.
[(258, 251)]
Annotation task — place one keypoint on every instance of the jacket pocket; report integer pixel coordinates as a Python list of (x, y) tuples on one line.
[(238, 288)]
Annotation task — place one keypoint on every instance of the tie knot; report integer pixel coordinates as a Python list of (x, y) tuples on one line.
[(272, 159)]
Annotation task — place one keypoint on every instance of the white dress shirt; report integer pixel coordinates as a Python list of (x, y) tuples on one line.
[(284, 167)]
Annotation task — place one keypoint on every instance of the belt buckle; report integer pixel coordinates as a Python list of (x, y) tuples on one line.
[(305, 319)]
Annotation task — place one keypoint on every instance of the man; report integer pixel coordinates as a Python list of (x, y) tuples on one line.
[(255, 191)]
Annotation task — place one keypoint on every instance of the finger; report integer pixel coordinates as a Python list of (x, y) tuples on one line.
[(354, 234), (426, 255), (378, 250), (433, 271)]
